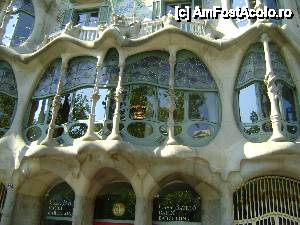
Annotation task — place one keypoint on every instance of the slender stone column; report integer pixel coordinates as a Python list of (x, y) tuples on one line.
[(9, 206), (55, 105), (115, 133), (143, 211), (90, 134), (83, 211), (273, 93), (172, 106), (227, 207)]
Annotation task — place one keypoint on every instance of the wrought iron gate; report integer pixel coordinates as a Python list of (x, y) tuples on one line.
[(270, 200), (2, 197)]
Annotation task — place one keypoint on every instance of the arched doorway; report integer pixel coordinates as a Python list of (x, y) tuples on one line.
[(58, 205), (177, 203), (115, 205)]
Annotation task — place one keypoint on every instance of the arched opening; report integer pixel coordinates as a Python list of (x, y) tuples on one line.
[(39, 115), (252, 101), (58, 205), (145, 80), (18, 23), (115, 204), (75, 101), (177, 201), (197, 113), (8, 96), (268, 200)]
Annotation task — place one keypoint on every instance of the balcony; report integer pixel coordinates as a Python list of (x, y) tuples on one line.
[(130, 28)]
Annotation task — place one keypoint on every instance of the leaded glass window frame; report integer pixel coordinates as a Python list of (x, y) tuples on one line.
[(205, 85), (207, 129), (158, 80), (20, 10), (252, 72), (8, 94)]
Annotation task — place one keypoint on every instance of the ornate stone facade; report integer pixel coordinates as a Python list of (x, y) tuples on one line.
[(136, 103)]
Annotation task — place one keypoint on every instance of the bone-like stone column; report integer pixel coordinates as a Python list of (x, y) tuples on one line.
[(115, 133), (143, 211), (172, 106), (56, 104), (9, 206), (90, 134), (273, 93), (83, 210), (227, 207)]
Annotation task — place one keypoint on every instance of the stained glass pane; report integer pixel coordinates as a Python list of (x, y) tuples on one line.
[(81, 72), (279, 65), (147, 67), (109, 73), (253, 66), (7, 106), (191, 73), (48, 83), (7, 80)]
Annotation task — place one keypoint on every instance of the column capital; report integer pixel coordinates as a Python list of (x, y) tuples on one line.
[(265, 38), (172, 57)]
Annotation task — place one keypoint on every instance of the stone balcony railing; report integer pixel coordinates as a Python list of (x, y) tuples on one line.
[(132, 29)]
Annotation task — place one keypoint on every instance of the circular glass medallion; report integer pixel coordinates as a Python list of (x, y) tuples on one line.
[(118, 209), (33, 133)]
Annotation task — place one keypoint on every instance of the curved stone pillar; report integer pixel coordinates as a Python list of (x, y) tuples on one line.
[(83, 211), (143, 211), (9, 206)]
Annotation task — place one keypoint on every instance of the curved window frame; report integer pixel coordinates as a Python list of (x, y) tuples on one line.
[(20, 10), (9, 93), (254, 76), (206, 87), (159, 82), (147, 82), (76, 85)]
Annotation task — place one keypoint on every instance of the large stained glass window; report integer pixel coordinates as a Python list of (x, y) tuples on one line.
[(145, 82), (8, 96), (197, 112), (58, 205), (115, 204), (39, 115), (177, 202), (75, 100), (19, 23), (253, 101)]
